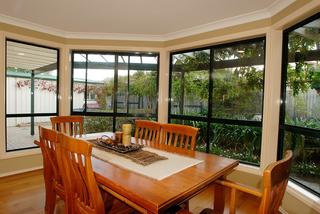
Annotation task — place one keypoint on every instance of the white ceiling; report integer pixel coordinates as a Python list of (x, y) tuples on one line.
[(134, 18)]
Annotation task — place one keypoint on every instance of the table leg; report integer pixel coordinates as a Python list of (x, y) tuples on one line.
[(219, 198)]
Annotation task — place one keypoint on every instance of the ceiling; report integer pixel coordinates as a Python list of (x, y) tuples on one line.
[(135, 18)]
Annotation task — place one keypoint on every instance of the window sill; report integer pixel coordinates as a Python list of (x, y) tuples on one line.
[(303, 195), (21, 153), (249, 169), (293, 189)]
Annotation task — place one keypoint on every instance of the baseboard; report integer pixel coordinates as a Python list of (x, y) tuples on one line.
[(20, 171)]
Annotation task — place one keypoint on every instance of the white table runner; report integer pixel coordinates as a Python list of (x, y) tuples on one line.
[(158, 170)]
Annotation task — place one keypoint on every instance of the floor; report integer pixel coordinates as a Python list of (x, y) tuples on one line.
[(15, 134), (24, 193)]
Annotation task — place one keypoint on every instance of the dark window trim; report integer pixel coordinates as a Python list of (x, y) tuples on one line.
[(113, 114), (209, 119), (26, 114), (286, 127)]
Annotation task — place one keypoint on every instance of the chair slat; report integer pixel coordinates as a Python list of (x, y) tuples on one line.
[(182, 134)]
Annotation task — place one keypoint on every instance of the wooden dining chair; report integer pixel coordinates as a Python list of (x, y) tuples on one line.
[(275, 180), (52, 175), (182, 136), (74, 157), (147, 130), (70, 125)]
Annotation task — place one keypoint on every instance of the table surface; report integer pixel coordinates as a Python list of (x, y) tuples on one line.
[(155, 196)]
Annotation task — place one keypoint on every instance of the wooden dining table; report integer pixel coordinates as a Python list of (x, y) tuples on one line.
[(148, 195)]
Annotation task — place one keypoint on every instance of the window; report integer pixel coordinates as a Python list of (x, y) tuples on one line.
[(220, 90), (114, 88), (31, 92), (300, 109)]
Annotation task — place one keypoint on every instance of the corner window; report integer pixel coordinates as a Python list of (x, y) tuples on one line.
[(31, 92), (219, 89), (300, 109), (110, 89)]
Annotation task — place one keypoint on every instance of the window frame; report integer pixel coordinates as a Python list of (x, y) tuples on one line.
[(208, 118), (27, 114), (283, 127), (114, 114)]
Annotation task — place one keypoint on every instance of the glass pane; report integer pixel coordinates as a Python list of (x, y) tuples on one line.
[(124, 120), (190, 83), (122, 95), (303, 77), (306, 161), (202, 133), (100, 83), (238, 81), (238, 142), (79, 79), (31, 79), (143, 91), (94, 124), (21, 133)]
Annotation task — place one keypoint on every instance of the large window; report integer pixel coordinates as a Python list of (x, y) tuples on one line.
[(31, 92), (300, 109), (220, 90), (114, 88)]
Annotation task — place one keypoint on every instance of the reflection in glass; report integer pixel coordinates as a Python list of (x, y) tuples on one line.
[(122, 94), (306, 161), (94, 124), (303, 77), (143, 91), (238, 142), (21, 134), (100, 82), (238, 81), (190, 83), (31, 79)]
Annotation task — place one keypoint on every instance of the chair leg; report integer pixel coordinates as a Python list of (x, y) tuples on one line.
[(185, 205), (108, 200), (50, 200)]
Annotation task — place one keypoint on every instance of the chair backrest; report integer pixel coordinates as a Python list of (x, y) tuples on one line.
[(75, 156), (70, 125), (48, 144), (275, 180), (52, 173), (147, 130), (182, 136)]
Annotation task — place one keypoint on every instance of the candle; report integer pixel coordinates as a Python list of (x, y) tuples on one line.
[(126, 138), (126, 129)]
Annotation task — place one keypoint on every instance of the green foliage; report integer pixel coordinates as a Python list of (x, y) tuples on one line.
[(97, 124), (144, 84), (306, 169), (312, 123), (241, 142), (300, 76), (315, 83), (238, 94)]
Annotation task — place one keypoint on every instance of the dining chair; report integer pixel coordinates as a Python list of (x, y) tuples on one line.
[(70, 125), (74, 156), (53, 180), (147, 130), (181, 136), (275, 180)]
